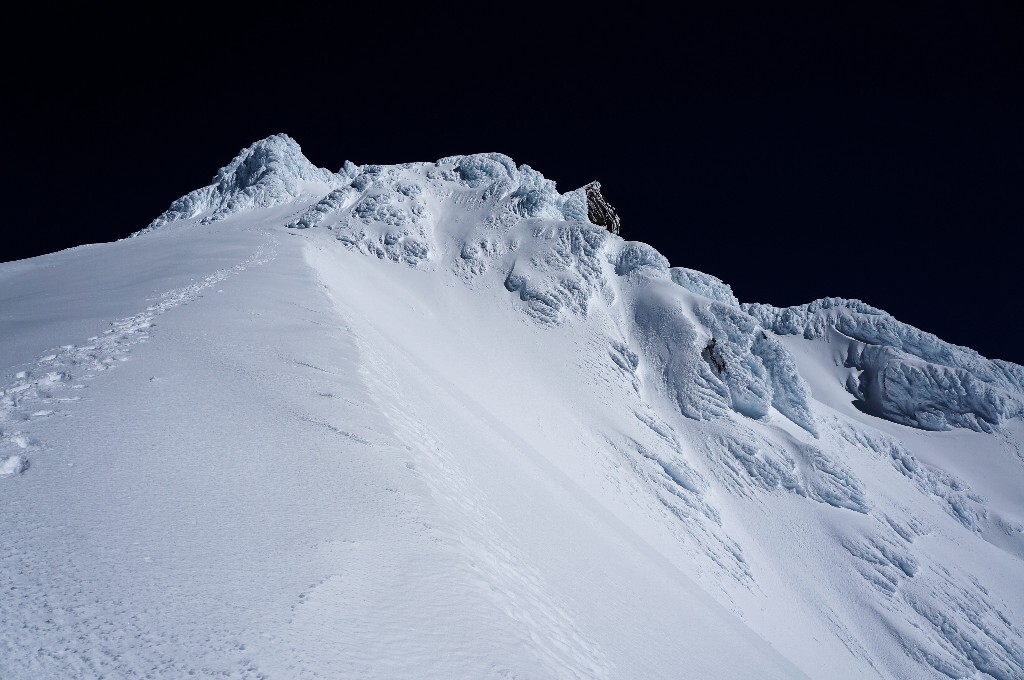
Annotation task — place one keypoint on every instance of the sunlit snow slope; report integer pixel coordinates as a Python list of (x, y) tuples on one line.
[(428, 421)]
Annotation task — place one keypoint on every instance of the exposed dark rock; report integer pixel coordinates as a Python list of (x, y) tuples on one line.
[(600, 211), (712, 357)]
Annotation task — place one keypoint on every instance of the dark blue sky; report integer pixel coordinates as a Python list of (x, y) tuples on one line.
[(871, 152)]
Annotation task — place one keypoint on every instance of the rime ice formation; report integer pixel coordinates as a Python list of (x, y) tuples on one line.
[(902, 373), (440, 420), (270, 172), (392, 212)]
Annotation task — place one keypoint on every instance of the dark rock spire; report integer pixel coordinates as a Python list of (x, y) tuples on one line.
[(600, 211)]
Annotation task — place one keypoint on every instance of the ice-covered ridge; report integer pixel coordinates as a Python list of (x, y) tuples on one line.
[(271, 172), (491, 221), (409, 331), (902, 373), (494, 223)]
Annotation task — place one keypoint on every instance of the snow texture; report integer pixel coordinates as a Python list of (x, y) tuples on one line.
[(429, 420), (904, 374), (13, 465), (704, 284), (270, 172)]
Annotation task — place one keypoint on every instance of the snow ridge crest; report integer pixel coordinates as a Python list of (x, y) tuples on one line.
[(559, 254), (902, 373), (270, 172)]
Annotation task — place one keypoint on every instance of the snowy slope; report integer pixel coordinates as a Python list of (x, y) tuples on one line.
[(428, 420)]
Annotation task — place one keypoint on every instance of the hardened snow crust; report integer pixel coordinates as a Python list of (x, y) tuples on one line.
[(712, 407)]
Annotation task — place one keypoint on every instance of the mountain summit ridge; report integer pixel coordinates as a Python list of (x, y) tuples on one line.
[(435, 420), (401, 213), (268, 172)]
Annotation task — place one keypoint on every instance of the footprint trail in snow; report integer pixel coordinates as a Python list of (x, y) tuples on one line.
[(43, 388)]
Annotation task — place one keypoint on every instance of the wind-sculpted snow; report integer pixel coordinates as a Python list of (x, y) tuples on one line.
[(478, 213), (749, 462), (644, 389), (564, 275), (325, 208), (524, 191), (482, 212), (671, 343), (943, 619), (953, 494), (634, 256), (758, 370), (969, 632), (905, 374), (490, 213), (660, 461), (713, 358), (271, 172), (704, 284)]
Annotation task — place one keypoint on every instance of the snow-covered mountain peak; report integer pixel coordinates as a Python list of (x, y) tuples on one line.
[(273, 171), (270, 172), (276, 159), (491, 221), (438, 420)]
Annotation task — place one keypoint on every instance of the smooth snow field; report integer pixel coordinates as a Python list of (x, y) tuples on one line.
[(427, 421)]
